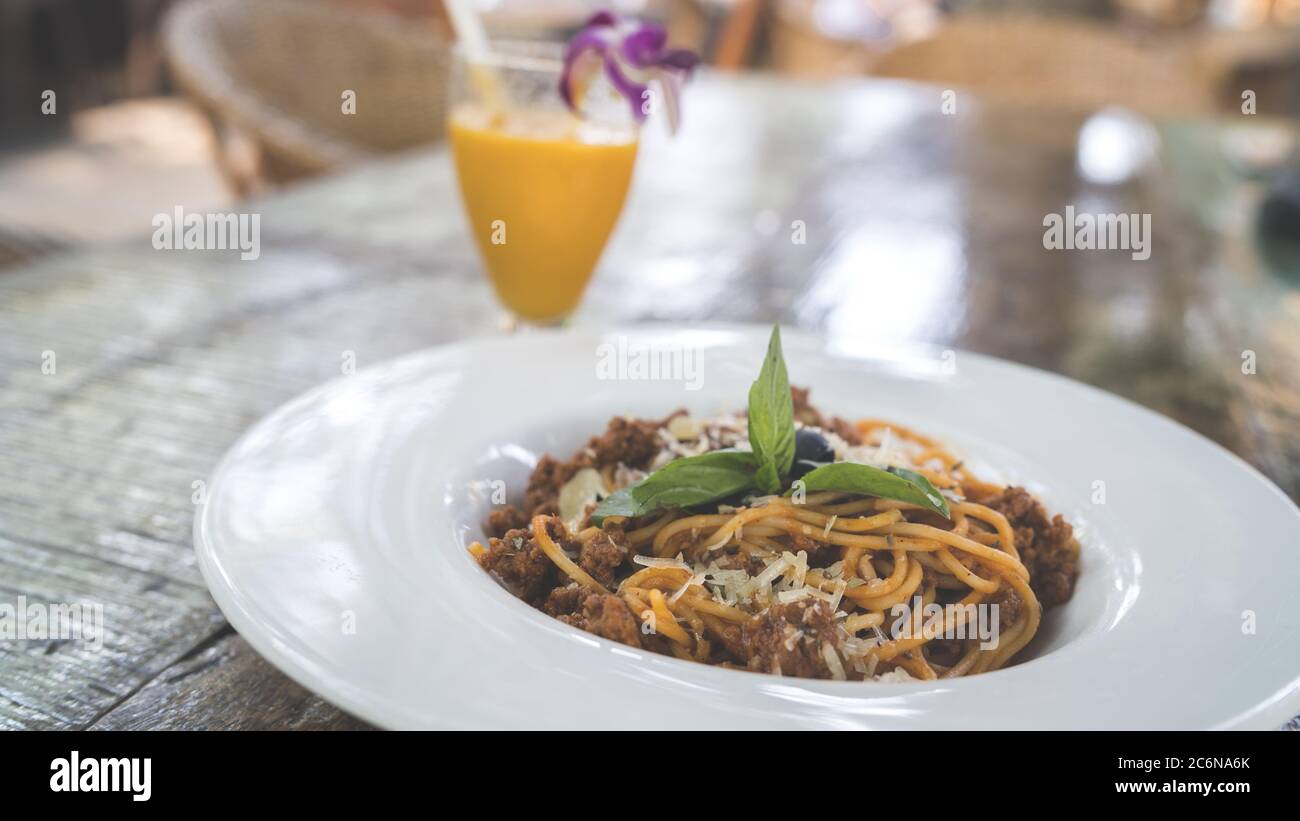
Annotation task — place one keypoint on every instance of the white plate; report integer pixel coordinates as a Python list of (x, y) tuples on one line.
[(334, 539)]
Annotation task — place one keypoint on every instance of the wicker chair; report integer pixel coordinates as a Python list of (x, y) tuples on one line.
[(1056, 63), (271, 74)]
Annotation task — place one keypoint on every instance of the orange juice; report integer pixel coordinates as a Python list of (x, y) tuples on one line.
[(543, 192)]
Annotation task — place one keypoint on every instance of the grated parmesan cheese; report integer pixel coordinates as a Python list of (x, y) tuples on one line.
[(773, 570), (651, 561), (792, 639), (833, 662), (679, 592), (798, 562), (858, 648), (837, 595)]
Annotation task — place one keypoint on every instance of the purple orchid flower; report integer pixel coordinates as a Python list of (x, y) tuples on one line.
[(633, 54)]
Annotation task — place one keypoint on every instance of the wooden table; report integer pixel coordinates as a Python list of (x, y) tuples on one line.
[(919, 226)]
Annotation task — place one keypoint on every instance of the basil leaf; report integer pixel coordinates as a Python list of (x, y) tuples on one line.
[(693, 480), (899, 484), (771, 418)]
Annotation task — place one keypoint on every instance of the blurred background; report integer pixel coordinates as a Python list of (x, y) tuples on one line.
[(157, 106)]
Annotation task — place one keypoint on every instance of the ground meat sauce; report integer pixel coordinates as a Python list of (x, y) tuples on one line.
[(508, 518), (1009, 605), (607, 616), (630, 442), (565, 601), (740, 561), (518, 562), (605, 553), (548, 477), (633, 442), (1047, 546), (785, 638)]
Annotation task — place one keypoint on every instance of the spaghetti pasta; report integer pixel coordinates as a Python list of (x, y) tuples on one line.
[(827, 584)]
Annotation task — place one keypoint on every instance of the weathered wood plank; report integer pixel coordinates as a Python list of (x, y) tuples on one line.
[(149, 621), (225, 686)]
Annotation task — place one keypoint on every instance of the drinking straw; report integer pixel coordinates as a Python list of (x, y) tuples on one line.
[(468, 25), (472, 36)]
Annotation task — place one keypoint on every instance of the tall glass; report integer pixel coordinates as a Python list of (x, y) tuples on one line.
[(542, 188)]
